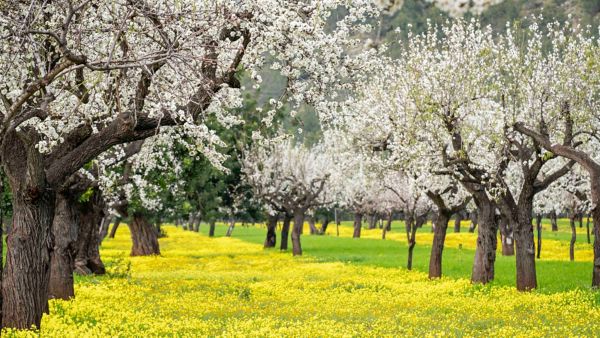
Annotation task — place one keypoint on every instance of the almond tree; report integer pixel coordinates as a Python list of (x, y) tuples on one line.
[(81, 77), (289, 177)]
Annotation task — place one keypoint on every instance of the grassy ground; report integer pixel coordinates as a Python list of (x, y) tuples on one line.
[(221, 286), (555, 271)]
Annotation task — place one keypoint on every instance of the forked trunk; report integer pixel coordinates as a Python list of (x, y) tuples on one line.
[(573, 238), (357, 224), (143, 236), (437, 248), (388, 226), (64, 230), (285, 231), (271, 239), (297, 231), (211, 229)]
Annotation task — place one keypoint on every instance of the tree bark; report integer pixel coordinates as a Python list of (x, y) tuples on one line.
[(485, 253), (64, 230), (27, 270), (437, 248), (573, 237), (297, 231), (211, 229), (143, 236), (525, 251), (271, 239), (89, 218), (357, 224), (285, 230), (553, 221)]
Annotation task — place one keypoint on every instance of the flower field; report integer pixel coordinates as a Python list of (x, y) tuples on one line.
[(232, 287)]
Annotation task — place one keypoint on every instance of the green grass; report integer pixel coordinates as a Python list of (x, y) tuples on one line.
[(553, 276)]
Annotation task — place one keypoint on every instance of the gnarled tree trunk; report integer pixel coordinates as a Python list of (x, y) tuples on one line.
[(357, 224), (143, 236), (271, 239), (27, 270), (297, 231), (324, 225), (437, 248), (64, 229), (285, 230), (506, 237), (29, 242), (485, 253)]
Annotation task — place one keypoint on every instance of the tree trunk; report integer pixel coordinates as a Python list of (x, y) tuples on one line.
[(388, 225), (337, 223), (143, 236), (324, 225), (587, 226), (573, 237), (553, 221), (285, 230), (473, 225), (297, 231), (271, 239), (312, 226), (89, 218), (357, 225), (485, 253), (230, 228), (372, 221), (507, 237), (457, 220), (211, 229), (525, 251), (411, 231), (27, 270), (113, 230), (437, 248), (64, 230), (538, 226)]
